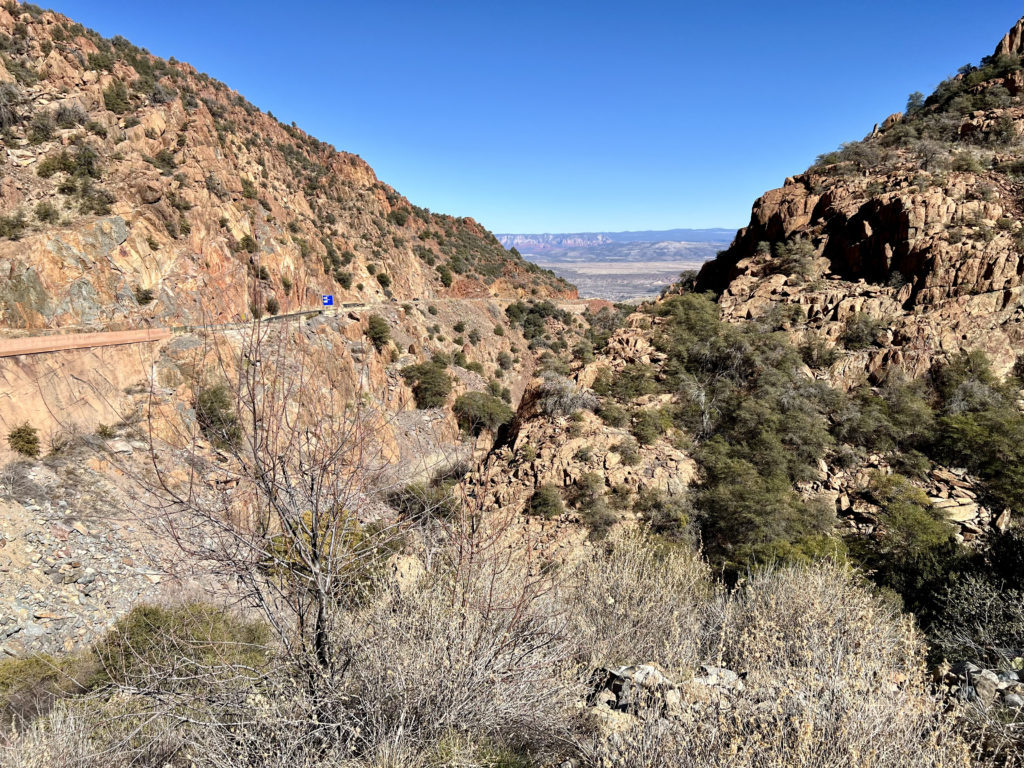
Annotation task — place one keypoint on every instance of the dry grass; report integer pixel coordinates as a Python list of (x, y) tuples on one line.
[(834, 678), (481, 665)]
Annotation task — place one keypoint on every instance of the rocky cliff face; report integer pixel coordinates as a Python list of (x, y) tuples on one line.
[(135, 190), (918, 226)]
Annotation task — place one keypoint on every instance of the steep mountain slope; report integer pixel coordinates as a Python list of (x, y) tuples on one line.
[(136, 190), (917, 227)]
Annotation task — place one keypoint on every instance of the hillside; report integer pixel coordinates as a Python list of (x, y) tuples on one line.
[(137, 190), (917, 227), (770, 518)]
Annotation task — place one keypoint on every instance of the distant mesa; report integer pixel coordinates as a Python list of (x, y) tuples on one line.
[(540, 243)]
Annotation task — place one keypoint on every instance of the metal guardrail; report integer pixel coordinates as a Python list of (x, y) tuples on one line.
[(35, 345)]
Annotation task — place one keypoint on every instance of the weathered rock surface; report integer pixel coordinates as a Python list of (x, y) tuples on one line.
[(194, 195)]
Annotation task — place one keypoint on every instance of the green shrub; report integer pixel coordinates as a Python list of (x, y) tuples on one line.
[(273, 306), (164, 160), (46, 213), (116, 99), (12, 226), (545, 503), (144, 295), (916, 541), (29, 686), (430, 383), (818, 353), (384, 279), (665, 514), (422, 501), (199, 642), (24, 439), (629, 451), (479, 411), (378, 331), (446, 275), (215, 412), (612, 414), (399, 217), (649, 424), (861, 331)]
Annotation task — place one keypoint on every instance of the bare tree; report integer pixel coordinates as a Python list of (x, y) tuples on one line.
[(283, 461)]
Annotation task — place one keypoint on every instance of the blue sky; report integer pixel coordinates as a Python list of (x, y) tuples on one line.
[(565, 116)]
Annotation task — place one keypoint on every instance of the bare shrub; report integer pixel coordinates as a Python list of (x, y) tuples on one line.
[(637, 604), (833, 678), (558, 396)]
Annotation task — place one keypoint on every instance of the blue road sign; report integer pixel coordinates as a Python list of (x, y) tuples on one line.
[(327, 300)]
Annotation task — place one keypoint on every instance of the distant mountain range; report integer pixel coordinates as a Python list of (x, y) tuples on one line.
[(622, 265), (543, 243)]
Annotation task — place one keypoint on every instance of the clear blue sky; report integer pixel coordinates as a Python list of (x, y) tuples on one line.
[(564, 116)]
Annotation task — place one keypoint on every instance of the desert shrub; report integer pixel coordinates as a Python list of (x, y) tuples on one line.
[(384, 280), (483, 640), (272, 306), (12, 226), (430, 383), (558, 396), (639, 600), (215, 411), (180, 646), (649, 424), (861, 331), (664, 513), (612, 414), (144, 295), (378, 331), (629, 451), (10, 100), (479, 411), (41, 127), (546, 503), (422, 501), (24, 439), (795, 258), (46, 213), (116, 99)]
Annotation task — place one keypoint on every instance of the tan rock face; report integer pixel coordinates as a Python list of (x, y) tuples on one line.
[(892, 246)]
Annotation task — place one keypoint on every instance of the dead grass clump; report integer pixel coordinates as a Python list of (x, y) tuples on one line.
[(834, 678)]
